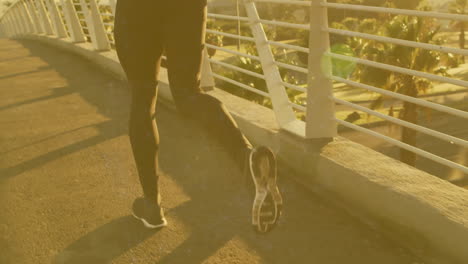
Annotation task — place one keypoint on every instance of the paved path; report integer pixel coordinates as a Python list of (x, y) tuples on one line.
[(67, 181)]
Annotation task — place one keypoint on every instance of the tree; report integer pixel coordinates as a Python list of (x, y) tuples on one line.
[(408, 28)]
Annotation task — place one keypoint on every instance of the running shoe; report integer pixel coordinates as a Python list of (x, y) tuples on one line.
[(149, 213), (268, 203)]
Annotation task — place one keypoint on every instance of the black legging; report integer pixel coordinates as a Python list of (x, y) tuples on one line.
[(143, 29)]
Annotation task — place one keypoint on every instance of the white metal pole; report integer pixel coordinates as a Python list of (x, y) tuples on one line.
[(94, 21), (9, 26), (73, 22), (100, 33), (31, 17), (207, 81), (16, 22), (14, 26), (35, 17), (56, 19), (22, 27), (279, 98), (113, 4), (320, 114), (4, 27), (27, 17), (2, 30), (44, 17)]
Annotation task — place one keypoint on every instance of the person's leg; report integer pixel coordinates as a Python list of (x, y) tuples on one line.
[(184, 33), (138, 42)]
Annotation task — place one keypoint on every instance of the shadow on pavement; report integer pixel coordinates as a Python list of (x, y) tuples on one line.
[(105, 243), (94, 89)]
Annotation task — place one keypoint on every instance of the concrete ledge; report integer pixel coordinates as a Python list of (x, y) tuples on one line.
[(427, 215), (422, 212)]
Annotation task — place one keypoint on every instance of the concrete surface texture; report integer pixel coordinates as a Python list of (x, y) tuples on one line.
[(67, 181)]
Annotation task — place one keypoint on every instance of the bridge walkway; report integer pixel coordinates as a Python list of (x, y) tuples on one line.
[(67, 182)]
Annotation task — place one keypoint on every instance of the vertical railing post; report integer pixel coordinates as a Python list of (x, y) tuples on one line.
[(16, 21), (73, 22), (33, 21), (6, 28), (207, 81), (44, 17), (19, 16), (100, 33), (13, 25), (320, 115), (11, 29), (35, 17), (56, 19), (20, 22), (113, 4), (2, 30), (27, 18), (279, 98), (3, 27), (96, 27)]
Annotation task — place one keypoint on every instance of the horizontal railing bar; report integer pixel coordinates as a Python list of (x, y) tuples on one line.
[(402, 97), (294, 87), (397, 11), (108, 24), (292, 67), (228, 17), (233, 52), (239, 69), (247, 87), (298, 3), (405, 146), (418, 128), (107, 14), (402, 42), (288, 46), (398, 69), (230, 35), (298, 107), (284, 24)]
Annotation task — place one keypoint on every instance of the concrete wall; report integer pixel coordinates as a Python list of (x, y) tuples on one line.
[(427, 215)]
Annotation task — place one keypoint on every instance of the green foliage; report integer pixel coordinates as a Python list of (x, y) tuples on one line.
[(256, 83), (213, 39), (400, 27), (422, 30)]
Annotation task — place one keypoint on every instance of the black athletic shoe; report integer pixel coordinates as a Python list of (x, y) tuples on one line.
[(150, 214), (268, 203)]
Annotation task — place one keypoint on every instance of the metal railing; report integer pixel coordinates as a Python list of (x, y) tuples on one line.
[(85, 20)]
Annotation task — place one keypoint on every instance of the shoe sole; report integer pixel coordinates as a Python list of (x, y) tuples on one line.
[(265, 184), (150, 226)]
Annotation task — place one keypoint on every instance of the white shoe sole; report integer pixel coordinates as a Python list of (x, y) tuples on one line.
[(265, 184), (150, 226)]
